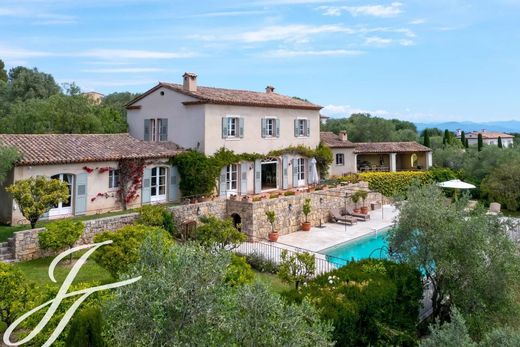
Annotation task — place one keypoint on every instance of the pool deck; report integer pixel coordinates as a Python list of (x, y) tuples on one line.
[(332, 234)]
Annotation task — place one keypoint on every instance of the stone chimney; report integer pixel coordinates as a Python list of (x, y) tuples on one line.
[(190, 82), (343, 136), (269, 89)]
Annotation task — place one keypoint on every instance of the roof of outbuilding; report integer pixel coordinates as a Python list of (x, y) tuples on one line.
[(46, 149), (211, 95), (390, 147), (488, 134), (333, 141)]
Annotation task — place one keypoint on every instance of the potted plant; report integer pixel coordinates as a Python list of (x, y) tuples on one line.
[(355, 199), (306, 226), (271, 217), (247, 198), (363, 194)]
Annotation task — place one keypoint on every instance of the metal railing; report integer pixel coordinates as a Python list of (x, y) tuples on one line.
[(273, 252)]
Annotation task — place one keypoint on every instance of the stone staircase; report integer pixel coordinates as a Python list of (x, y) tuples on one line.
[(6, 252)]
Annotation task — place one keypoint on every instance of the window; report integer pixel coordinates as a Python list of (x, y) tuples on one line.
[(153, 130), (301, 128), (301, 169), (158, 184), (113, 178), (63, 207), (232, 127), (156, 129), (270, 127), (340, 159), (231, 177)]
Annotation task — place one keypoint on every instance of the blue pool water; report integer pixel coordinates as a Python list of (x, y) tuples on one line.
[(362, 248)]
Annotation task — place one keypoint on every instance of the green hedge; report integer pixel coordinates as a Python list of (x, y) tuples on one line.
[(370, 302)]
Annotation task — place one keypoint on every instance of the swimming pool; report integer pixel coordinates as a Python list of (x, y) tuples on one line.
[(374, 245)]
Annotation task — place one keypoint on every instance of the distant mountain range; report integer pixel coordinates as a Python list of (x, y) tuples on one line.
[(512, 126)]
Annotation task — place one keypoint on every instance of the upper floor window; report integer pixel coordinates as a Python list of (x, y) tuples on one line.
[(232, 127), (113, 178), (301, 127), (340, 159), (270, 127), (156, 129)]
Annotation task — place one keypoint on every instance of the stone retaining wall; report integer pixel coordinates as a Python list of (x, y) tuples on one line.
[(253, 221)]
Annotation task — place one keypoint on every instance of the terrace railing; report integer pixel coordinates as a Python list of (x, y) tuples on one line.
[(273, 252)]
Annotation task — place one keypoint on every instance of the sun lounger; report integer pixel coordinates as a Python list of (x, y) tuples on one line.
[(338, 217), (360, 216)]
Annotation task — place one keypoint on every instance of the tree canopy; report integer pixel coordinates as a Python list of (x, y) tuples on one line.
[(363, 127)]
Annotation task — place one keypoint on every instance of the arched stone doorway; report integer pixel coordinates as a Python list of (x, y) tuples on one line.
[(237, 221)]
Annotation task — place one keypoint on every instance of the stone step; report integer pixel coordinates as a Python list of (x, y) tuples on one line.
[(6, 258), (4, 244), (5, 250)]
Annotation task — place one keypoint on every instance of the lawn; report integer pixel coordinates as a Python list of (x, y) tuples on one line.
[(37, 271), (272, 281), (6, 231)]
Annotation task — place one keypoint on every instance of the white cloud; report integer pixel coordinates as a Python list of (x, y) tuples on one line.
[(347, 110), (40, 16), (378, 41), (226, 14), (124, 70), (283, 53), (109, 54), (418, 21), (391, 10), (21, 53)]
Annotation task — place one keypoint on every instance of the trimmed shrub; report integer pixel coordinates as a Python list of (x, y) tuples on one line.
[(442, 174), (156, 216), (15, 294), (239, 271), (60, 234), (85, 329), (124, 250), (370, 302), (393, 183)]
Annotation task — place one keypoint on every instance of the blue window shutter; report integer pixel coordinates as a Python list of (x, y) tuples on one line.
[(308, 127), (146, 130), (277, 122), (295, 172), (80, 206), (244, 167), (173, 192), (296, 128), (224, 127), (258, 176), (263, 127), (309, 169), (163, 130), (223, 183), (241, 127), (146, 191), (285, 177)]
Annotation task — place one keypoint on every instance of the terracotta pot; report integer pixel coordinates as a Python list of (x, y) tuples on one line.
[(306, 226), (273, 236), (357, 210), (311, 189), (364, 210)]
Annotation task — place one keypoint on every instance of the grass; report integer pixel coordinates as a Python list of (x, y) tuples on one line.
[(273, 282), (37, 271), (6, 231)]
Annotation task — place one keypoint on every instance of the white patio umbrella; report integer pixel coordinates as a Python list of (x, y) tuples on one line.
[(456, 184), (313, 175)]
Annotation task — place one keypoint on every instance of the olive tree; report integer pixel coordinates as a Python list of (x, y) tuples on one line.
[(183, 299), (37, 195), (467, 256), (8, 156)]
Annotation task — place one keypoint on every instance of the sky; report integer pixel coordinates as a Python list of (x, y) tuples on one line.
[(420, 60)]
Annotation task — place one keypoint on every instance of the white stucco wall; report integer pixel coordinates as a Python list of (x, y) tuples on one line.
[(185, 123), (97, 183), (349, 165), (252, 140), (507, 142)]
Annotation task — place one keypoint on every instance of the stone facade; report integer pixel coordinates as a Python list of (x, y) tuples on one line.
[(250, 215)]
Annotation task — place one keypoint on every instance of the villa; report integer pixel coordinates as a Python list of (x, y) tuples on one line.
[(89, 164), (349, 157), (207, 119), (488, 138)]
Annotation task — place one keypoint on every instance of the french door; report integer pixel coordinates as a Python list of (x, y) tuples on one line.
[(63, 207), (158, 184), (300, 171)]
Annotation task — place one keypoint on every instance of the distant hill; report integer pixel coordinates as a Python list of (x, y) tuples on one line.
[(512, 126)]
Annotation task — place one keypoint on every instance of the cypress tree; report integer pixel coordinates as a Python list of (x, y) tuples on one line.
[(466, 143), (500, 142), (426, 138), (446, 137), (480, 143), (463, 138)]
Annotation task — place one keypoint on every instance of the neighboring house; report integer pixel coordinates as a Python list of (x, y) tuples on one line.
[(95, 97), (207, 119), (349, 157), (323, 119), (488, 138), (89, 165)]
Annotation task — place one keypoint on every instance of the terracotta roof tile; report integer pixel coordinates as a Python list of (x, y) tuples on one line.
[(333, 141), (487, 135), (390, 147), (210, 95), (44, 149)]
